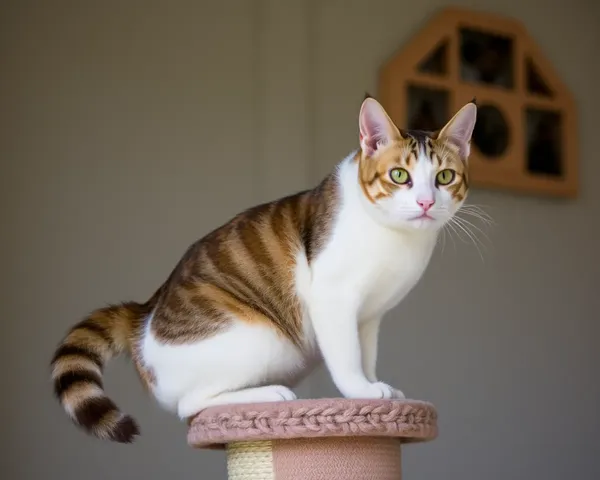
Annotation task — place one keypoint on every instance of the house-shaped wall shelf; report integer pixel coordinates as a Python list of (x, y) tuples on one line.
[(525, 138)]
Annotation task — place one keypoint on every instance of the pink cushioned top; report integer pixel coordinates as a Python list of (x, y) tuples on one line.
[(409, 420)]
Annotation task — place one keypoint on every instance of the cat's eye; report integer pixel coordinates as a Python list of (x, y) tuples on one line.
[(445, 177), (400, 176)]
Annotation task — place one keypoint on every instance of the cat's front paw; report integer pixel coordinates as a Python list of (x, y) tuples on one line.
[(373, 390), (398, 394), (395, 393)]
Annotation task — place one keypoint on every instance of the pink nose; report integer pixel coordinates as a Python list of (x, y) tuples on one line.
[(426, 204)]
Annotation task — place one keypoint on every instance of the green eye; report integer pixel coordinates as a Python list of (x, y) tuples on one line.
[(400, 176), (445, 177)]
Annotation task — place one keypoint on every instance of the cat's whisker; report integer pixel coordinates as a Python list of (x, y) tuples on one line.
[(474, 236), (472, 206), (477, 211), (472, 225), (456, 222), (481, 216), (443, 240), (453, 230), (443, 236), (482, 219)]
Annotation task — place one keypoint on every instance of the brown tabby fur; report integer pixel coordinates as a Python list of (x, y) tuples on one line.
[(244, 269)]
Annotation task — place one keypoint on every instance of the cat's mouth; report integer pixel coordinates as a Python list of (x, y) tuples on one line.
[(423, 216)]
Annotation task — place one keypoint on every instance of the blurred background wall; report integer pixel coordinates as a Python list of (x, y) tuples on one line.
[(128, 129)]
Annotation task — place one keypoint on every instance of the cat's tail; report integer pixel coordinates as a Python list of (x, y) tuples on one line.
[(78, 363)]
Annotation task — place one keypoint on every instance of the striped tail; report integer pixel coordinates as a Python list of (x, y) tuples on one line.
[(77, 369)]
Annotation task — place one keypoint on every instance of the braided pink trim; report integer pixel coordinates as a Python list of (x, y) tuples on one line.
[(411, 420)]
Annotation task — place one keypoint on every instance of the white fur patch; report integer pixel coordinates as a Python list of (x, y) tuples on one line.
[(364, 270), (244, 355)]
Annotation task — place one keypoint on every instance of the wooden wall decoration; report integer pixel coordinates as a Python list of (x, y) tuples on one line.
[(525, 138)]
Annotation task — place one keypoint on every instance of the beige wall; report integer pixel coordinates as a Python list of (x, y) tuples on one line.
[(128, 129)]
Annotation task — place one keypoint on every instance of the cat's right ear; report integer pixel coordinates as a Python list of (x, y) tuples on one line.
[(375, 126), (459, 129)]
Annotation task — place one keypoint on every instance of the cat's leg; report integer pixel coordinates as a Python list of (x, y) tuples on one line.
[(369, 338), (242, 357), (196, 400), (335, 322), (368, 331)]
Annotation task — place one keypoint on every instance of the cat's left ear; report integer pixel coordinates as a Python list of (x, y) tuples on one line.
[(376, 128), (459, 129)]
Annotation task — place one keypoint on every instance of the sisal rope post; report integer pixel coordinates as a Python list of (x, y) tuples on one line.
[(325, 439)]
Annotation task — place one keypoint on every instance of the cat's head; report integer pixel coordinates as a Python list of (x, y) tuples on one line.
[(411, 179)]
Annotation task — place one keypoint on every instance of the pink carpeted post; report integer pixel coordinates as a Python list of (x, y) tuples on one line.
[(325, 439)]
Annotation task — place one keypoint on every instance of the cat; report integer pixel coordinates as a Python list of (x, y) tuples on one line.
[(254, 305)]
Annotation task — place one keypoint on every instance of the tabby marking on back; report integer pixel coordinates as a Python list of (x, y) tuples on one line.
[(254, 305)]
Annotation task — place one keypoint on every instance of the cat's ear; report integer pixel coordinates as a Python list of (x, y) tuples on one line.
[(375, 126), (459, 129)]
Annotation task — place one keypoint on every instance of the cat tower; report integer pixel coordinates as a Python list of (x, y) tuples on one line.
[(325, 439), (524, 141)]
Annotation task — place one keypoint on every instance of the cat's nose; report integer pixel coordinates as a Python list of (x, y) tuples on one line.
[(426, 203)]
